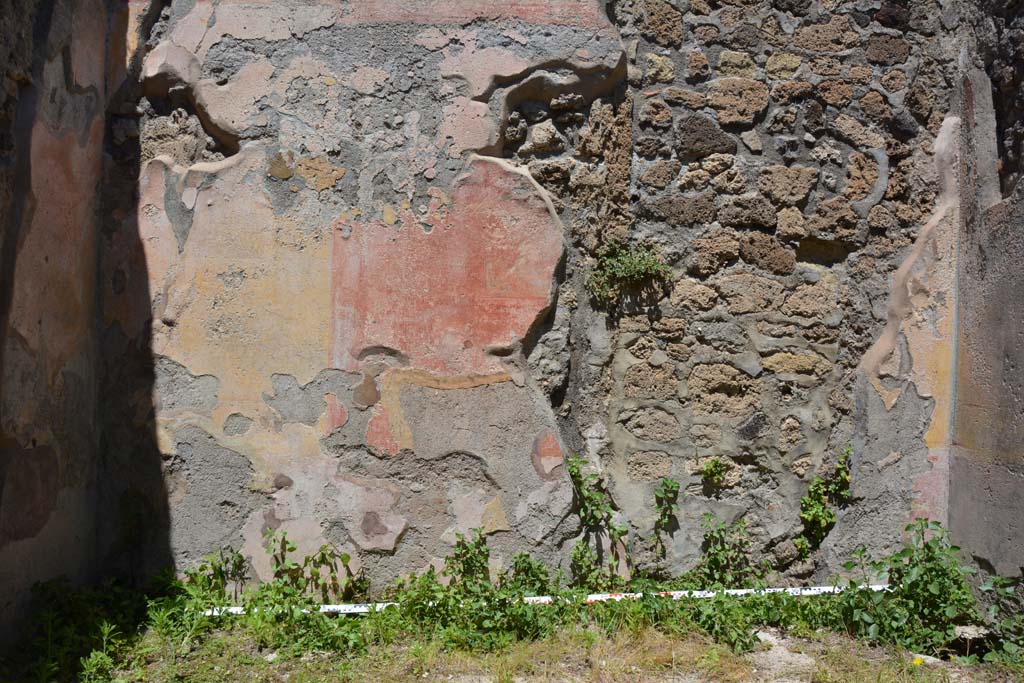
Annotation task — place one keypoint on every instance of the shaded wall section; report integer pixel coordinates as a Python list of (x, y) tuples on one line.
[(51, 153), (986, 508), (987, 466)]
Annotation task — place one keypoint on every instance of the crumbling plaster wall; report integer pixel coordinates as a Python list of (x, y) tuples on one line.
[(345, 297), (364, 332), (343, 252), (341, 289)]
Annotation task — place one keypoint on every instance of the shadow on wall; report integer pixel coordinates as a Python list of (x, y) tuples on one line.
[(70, 503)]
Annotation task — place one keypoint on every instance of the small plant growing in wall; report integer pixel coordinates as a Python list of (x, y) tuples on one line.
[(818, 507), (712, 473), (665, 497), (622, 267), (593, 505)]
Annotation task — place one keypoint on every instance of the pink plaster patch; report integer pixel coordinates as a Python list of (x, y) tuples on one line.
[(931, 488), (337, 416), (547, 453), (444, 299), (378, 433), (468, 125)]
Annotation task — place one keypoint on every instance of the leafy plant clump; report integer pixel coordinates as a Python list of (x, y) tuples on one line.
[(593, 505), (928, 596), (623, 267), (726, 560), (665, 497), (712, 473), (818, 507)]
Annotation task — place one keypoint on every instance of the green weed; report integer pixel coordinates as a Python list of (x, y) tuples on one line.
[(623, 267)]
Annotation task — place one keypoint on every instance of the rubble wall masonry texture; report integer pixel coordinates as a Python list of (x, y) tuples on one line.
[(342, 257)]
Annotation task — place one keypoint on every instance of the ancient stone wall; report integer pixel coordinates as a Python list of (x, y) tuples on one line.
[(365, 333), (344, 252), (782, 162)]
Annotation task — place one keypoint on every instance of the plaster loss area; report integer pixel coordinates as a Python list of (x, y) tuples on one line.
[(359, 272)]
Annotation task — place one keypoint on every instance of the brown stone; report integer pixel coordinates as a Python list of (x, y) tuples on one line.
[(788, 91), (875, 106), (635, 323), (836, 93), (834, 220), (791, 224), (804, 363), (835, 35), (687, 98), (856, 132), (749, 293), (697, 136), (791, 434), (695, 179), (655, 114), (649, 465), (719, 389), (678, 352), (553, 174), (766, 252), (642, 348), (677, 209), (738, 101), (887, 50), (706, 34), (661, 173), (826, 66), (862, 174), (895, 80), (732, 63), (670, 329), (744, 37), (862, 75), (811, 300), (880, 219), (747, 211), (690, 294), (644, 380), (788, 185), (664, 23), (773, 32), (717, 163), (653, 424), (697, 66), (716, 250), (732, 181), (652, 146)]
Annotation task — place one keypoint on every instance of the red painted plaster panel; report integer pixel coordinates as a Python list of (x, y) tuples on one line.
[(478, 280)]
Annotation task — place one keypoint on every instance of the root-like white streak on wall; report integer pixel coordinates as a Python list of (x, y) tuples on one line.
[(900, 303)]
